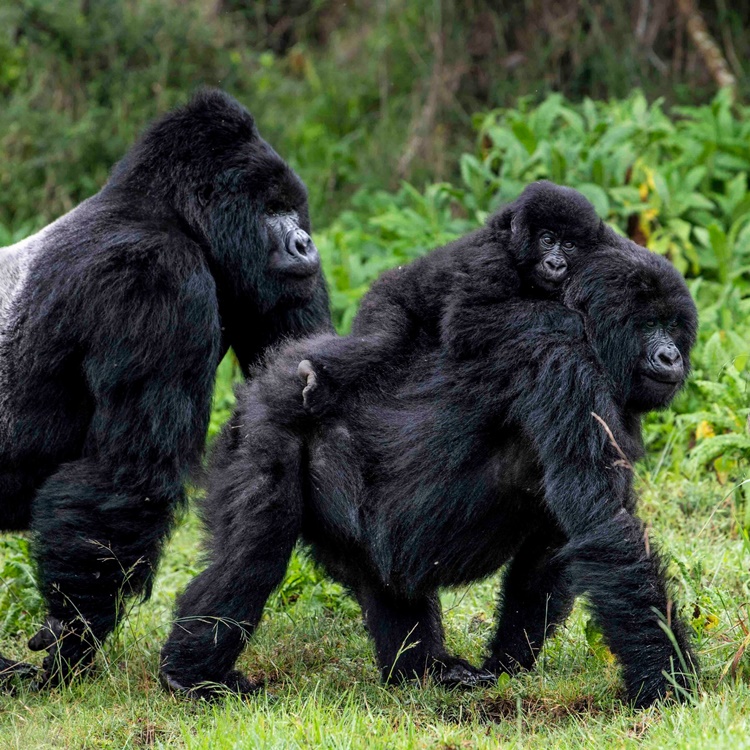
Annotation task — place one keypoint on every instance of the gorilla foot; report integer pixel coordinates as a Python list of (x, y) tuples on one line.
[(235, 683), (679, 689), (452, 672), (13, 672), (69, 653)]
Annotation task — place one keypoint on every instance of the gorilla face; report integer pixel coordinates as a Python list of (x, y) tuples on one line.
[(278, 197), (661, 361), (551, 227), (257, 219), (662, 366), (554, 251), (641, 320), (292, 251)]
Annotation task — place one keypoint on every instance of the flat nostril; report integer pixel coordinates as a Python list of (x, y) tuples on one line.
[(300, 242), (555, 264), (669, 356)]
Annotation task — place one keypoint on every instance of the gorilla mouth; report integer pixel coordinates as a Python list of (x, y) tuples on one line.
[(548, 283), (661, 378), (299, 274)]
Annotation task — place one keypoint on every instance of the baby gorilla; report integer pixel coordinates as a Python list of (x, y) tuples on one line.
[(526, 250)]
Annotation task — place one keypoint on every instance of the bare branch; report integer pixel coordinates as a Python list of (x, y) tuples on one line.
[(707, 47)]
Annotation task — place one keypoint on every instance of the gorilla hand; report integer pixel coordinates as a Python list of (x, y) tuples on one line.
[(68, 651)]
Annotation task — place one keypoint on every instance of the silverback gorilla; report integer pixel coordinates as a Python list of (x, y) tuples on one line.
[(112, 322), (449, 467)]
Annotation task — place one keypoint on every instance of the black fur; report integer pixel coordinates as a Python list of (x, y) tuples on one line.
[(123, 310), (504, 260), (447, 468)]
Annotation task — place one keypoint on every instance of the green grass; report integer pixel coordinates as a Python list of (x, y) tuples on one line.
[(322, 683)]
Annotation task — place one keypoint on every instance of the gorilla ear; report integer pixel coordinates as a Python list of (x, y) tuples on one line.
[(503, 221)]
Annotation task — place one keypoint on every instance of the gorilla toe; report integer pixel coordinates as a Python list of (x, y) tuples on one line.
[(235, 683)]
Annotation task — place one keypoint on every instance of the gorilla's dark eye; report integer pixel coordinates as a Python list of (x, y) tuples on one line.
[(547, 239), (569, 245), (651, 324)]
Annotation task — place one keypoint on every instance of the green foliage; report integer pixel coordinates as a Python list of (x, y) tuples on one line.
[(305, 587), (677, 184), (347, 90), (227, 376), (20, 600), (78, 81)]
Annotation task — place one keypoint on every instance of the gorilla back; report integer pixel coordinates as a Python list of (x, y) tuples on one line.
[(112, 322), (452, 469)]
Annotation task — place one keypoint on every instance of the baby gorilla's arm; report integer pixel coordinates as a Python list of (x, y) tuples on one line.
[(345, 362), (403, 304)]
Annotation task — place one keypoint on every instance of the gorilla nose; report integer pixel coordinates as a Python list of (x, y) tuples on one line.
[(300, 243), (302, 257), (555, 267), (668, 361), (669, 355), (555, 264)]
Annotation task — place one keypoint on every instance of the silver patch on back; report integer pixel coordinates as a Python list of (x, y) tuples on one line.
[(15, 265)]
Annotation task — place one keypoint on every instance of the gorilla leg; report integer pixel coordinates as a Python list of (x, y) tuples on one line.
[(254, 509), (408, 636), (98, 534), (625, 582), (99, 523), (609, 559), (588, 489), (536, 598)]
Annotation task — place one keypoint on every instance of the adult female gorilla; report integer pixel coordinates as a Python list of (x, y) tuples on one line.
[(457, 465)]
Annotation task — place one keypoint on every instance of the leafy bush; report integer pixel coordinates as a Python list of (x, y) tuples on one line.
[(677, 184), (20, 601)]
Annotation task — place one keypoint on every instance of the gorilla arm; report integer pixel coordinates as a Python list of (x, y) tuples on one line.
[(406, 307)]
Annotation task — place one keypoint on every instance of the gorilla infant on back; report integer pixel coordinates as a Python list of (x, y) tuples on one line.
[(112, 322), (461, 455), (526, 250)]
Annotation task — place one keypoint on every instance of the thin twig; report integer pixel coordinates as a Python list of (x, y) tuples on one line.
[(624, 459)]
